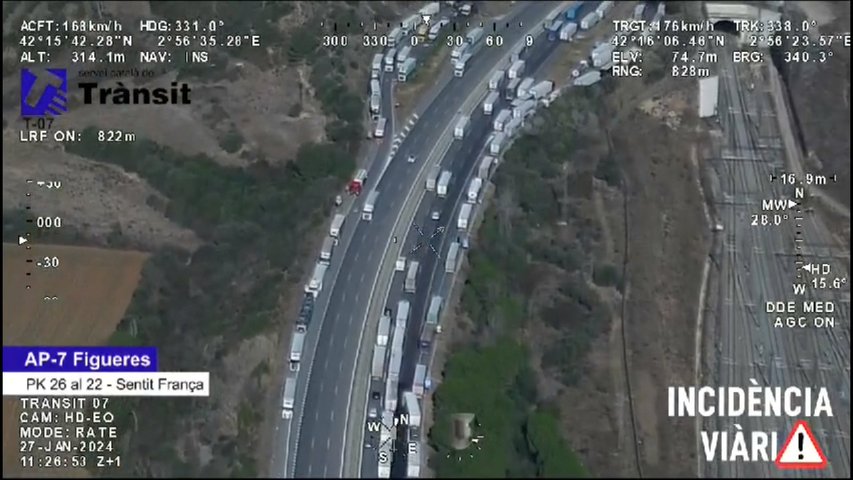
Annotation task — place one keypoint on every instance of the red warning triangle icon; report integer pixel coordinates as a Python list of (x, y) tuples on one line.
[(801, 451)]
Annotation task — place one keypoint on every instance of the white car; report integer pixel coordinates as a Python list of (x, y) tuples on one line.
[(435, 215), (372, 413), (411, 159)]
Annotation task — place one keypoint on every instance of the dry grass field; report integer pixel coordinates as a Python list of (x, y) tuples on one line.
[(93, 288)]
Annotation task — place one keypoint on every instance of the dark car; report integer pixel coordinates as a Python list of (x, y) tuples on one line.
[(388, 312), (375, 395)]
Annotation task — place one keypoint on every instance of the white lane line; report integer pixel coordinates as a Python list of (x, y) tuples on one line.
[(340, 367), (361, 278), (316, 417), (332, 415), (349, 275), (357, 297)]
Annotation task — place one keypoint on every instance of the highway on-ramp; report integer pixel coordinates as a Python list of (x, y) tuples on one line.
[(317, 441)]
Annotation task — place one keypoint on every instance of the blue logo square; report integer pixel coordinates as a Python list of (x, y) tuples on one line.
[(53, 98)]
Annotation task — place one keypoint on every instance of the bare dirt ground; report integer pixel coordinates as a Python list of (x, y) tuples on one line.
[(94, 196), (94, 287), (667, 244)]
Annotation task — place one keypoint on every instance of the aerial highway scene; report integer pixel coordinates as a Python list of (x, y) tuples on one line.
[(394, 239)]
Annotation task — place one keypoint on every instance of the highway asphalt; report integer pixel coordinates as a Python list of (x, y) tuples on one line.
[(462, 159), (318, 449), (757, 266), (282, 459)]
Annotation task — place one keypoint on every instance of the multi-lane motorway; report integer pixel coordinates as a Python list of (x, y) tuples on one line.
[(313, 442), (757, 265)]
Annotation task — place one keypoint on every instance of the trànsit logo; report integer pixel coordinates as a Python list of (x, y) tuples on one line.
[(50, 89)]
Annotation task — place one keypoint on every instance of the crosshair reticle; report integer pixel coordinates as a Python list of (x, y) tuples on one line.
[(438, 231)]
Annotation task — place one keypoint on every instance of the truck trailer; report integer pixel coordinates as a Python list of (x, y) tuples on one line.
[(443, 183), (376, 66), (542, 89), (378, 368), (337, 224), (431, 323), (496, 80), (402, 313), (474, 189), (384, 330), (406, 69), (403, 55), (464, 216), (289, 398), (461, 127), (523, 88), (489, 103), (500, 121), (411, 276), (452, 258), (412, 408), (391, 394), (589, 21), (568, 31), (432, 177), (389, 60), (497, 144), (603, 8), (516, 70), (315, 285), (512, 86), (461, 63), (326, 250), (369, 206), (484, 171), (297, 343), (420, 379)]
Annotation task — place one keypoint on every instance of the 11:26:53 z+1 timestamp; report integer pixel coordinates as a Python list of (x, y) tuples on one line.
[(73, 461)]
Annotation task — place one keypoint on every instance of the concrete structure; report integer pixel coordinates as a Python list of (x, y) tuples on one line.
[(733, 11), (708, 94)]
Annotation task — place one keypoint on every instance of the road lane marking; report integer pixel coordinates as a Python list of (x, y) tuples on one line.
[(357, 296), (332, 415)]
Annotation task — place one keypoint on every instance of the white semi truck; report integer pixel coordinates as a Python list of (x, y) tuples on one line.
[(432, 177), (524, 88), (542, 89), (474, 189), (410, 401), (496, 80), (378, 367), (337, 224), (452, 258), (406, 69), (464, 216), (500, 121), (461, 63), (297, 343), (411, 276), (326, 250), (443, 183), (497, 144), (490, 101), (420, 379), (369, 205), (389, 60), (516, 70), (376, 66), (384, 330), (590, 20), (289, 398), (568, 31), (484, 171), (315, 285), (461, 127)]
